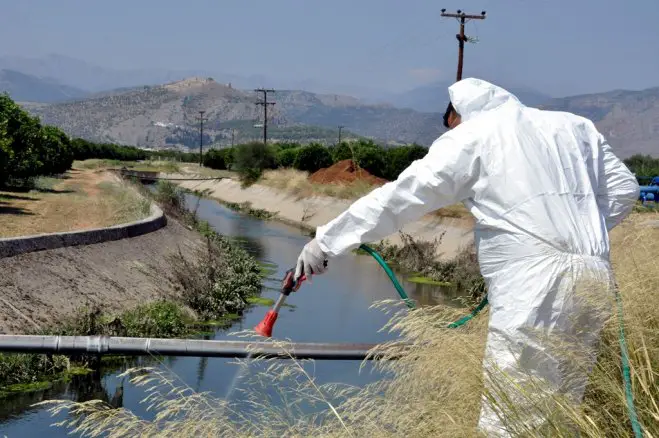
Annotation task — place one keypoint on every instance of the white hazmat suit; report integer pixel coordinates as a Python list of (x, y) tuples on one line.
[(545, 189)]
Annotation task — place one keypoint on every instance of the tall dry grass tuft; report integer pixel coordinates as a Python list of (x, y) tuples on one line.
[(297, 183), (435, 388)]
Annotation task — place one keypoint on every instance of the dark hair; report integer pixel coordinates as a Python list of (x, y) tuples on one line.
[(449, 110)]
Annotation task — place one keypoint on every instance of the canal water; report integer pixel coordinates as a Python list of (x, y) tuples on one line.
[(336, 307)]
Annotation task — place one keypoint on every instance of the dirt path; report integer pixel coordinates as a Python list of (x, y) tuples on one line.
[(80, 199), (40, 288)]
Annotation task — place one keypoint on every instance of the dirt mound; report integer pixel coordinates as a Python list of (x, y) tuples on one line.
[(344, 172)]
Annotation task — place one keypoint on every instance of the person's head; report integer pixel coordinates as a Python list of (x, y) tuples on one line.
[(451, 117)]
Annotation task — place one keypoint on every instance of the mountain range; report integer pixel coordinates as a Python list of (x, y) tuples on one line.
[(132, 107), (166, 115)]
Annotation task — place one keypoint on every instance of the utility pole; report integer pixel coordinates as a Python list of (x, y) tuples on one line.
[(265, 104), (462, 18), (201, 136), (233, 133), (340, 129)]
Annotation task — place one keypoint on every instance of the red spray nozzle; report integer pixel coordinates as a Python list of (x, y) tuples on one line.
[(264, 328), (288, 285)]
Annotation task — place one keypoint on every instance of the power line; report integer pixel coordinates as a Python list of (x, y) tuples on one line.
[(265, 104), (462, 18), (201, 119)]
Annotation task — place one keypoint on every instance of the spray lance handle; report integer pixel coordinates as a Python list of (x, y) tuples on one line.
[(288, 285)]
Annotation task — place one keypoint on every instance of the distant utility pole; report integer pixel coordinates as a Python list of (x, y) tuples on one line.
[(233, 134), (201, 136), (265, 104), (462, 18), (340, 129)]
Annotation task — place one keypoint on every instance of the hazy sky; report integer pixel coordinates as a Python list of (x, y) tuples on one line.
[(560, 47)]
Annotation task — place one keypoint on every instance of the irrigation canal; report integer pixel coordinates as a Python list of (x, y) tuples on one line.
[(334, 308)]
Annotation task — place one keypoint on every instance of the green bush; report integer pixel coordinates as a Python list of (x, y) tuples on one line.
[(216, 159), (343, 151), (251, 159), (286, 157), (365, 153), (170, 195), (372, 159), (160, 319), (288, 145), (312, 157), (399, 158), (29, 368), (219, 279), (644, 166), (58, 152)]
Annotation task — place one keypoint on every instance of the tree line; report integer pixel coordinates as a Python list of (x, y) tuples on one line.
[(30, 149), (251, 159)]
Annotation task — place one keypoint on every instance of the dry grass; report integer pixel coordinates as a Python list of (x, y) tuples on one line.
[(194, 169), (166, 166), (434, 390), (82, 199), (297, 183), (458, 211)]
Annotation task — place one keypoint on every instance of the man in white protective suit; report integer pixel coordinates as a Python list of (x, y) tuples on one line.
[(545, 189)]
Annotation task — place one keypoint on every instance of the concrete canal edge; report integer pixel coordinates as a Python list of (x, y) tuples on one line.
[(13, 246)]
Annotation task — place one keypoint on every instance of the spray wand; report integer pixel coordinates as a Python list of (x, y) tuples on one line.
[(288, 285)]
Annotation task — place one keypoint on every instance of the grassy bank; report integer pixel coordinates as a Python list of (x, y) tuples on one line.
[(222, 276), (435, 389), (77, 200)]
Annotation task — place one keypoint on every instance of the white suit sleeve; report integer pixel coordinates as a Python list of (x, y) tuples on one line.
[(443, 177), (618, 189)]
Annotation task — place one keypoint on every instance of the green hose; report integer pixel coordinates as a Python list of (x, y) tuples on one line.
[(626, 372), (626, 369), (378, 258)]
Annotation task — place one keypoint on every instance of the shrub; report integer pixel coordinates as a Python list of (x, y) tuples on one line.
[(170, 195), (57, 151), (160, 319), (643, 165), (371, 158), (251, 159), (312, 157), (343, 151), (215, 159), (286, 157), (365, 153), (400, 158), (219, 280)]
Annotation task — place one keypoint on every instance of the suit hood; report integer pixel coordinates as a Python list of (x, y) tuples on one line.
[(471, 97)]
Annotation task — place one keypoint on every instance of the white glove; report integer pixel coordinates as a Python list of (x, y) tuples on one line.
[(312, 260)]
